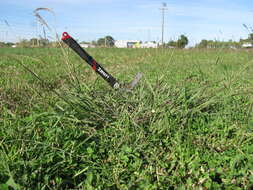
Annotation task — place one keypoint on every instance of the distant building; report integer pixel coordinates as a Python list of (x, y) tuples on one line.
[(14, 46), (137, 45), (127, 44), (149, 45), (87, 45), (247, 45)]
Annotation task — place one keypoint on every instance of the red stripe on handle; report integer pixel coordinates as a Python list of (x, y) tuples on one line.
[(94, 65)]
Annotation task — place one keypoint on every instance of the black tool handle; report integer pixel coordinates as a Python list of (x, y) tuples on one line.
[(92, 62)]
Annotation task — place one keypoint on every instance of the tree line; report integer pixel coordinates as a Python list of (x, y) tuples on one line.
[(109, 41), (225, 44)]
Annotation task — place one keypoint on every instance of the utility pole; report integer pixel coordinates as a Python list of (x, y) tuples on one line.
[(149, 35), (6, 36), (163, 9)]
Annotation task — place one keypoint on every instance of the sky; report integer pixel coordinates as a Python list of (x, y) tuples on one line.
[(88, 20)]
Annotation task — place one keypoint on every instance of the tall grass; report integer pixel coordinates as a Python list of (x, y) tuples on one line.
[(187, 125)]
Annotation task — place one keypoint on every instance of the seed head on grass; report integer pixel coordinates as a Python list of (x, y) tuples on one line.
[(40, 19), (71, 68)]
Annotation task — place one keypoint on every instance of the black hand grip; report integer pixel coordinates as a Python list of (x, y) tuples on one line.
[(92, 62)]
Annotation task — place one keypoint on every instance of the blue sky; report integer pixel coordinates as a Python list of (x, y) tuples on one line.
[(130, 19)]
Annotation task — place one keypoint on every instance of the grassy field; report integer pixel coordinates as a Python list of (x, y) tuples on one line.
[(188, 125)]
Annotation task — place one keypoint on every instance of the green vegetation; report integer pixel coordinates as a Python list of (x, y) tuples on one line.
[(107, 41), (8, 44), (181, 43), (225, 44), (219, 44), (187, 125)]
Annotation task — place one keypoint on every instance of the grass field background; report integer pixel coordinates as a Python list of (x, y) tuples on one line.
[(187, 125)]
